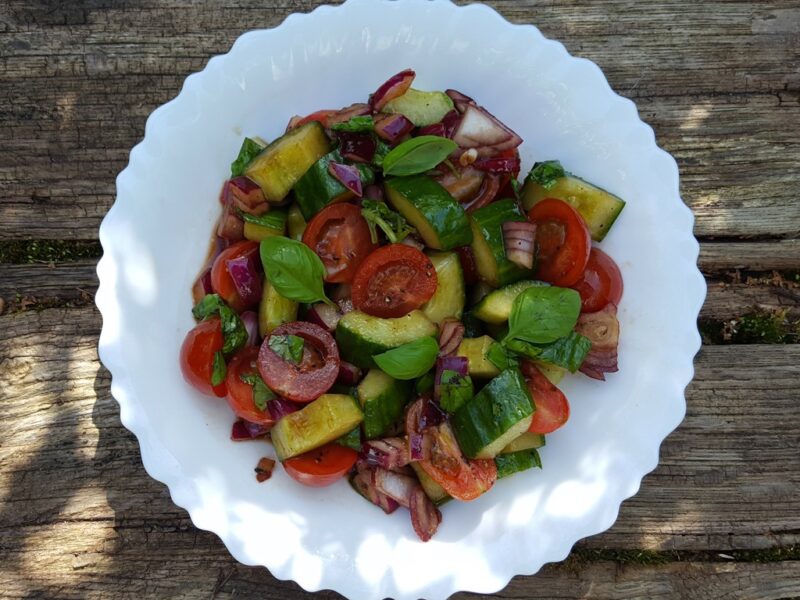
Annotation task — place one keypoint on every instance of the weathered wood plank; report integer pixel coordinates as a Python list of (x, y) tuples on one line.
[(729, 477), (750, 256), (714, 79)]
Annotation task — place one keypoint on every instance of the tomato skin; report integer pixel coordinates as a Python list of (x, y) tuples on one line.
[(340, 237), (552, 407), (197, 356), (393, 281), (600, 284), (563, 242), (221, 281), (316, 372), (321, 467), (240, 394), (321, 116)]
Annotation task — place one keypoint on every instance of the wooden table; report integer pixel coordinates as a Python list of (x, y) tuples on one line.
[(720, 83)]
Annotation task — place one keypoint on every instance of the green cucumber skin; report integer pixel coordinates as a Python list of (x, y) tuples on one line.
[(508, 464), (495, 307), (443, 213), (318, 188), (501, 404), (384, 408), (357, 350), (489, 220)]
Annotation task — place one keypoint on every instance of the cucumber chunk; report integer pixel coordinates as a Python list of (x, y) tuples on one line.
[(449, 299), (421, 108), (526, 441), (274, 309), (496, 306), (488, 246), (318, 188), (475, 350), (433, 490), (324, 420), (508, 464), (382, 401), (498, 414)]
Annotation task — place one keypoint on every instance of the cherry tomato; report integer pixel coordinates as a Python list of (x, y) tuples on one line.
[(322, 466), (240, 394), (552, 408), (393, 281), (221, 281), (467, 258), (506, 189), (563, 241), (313, 375), (320, 115), (197, 356), (600, 284), (340, 237)]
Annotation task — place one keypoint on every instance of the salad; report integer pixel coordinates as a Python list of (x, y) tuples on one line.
[(387, 302)]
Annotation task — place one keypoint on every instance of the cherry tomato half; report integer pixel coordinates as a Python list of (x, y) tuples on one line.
[(393, 281), (321, 116), (340, 237), (240, 394), (221, 281), (313, 375), (322, 466), (197, 356), (552, 408), (563, 242), (600, 284)]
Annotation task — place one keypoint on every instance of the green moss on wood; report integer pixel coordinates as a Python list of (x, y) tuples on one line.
[(45, 251)]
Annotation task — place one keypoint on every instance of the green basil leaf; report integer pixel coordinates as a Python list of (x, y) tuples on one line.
[(274, 219), (501, 358), (393, 224), (543, 314), (455, 390), (249, 378), (365, 124), (425, 383), (409, 361), (262, 394), (517, 187), (233, 329), (568, 352), (418, 155), (547, 173), (352, 439), (219, 369), (288, 347), (249, 150), (382, 149), (207, 307), (295, 271)]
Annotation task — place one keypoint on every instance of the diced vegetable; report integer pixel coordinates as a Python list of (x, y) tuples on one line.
[(281, 164), (264, 226), (476, 351), (382, 400), (438, 217), (433, 490), (296, 222), (525, 441), (488, 246), (274, 309), (421, 108), (553, 372), (361, 336), (499, 413), (318, 187), (324, 420), (449, 298), (508, 464), (496, 306), (352, 439)]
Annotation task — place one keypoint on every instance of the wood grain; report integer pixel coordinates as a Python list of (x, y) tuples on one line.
[(713, 79)]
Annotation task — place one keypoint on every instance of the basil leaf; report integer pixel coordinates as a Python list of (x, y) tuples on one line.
[(352, 439), (568, 352), (274, 219), (364, 124), (543, 314), (547, 173), (393, 224), (249, 150), (425, 383), (261, 393), (455, 390), (249, 378), (409, 361), (418, 155), (294, 270), (288, 347), (517, 187), (219, 369), (501, 358), (233, 329), (381, 150)]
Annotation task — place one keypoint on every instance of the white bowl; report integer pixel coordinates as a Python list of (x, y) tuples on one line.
[(156, 234)]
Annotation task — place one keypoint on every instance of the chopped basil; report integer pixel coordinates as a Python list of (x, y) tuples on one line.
[(455, 390), (288, 347), (233, 330), (261, 393), (393, 224), (541, 315), (218, 369), (381, 150), (364, 124), (501, 358), (352, 439), (417, 155), (274, 219), (409, 361), (295, 271), (569, 351), (249, 150), (547, 173)]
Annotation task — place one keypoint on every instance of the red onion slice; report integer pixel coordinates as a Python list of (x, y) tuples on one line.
[(202, 286), (398, 487), (413, 241), (245, 278), (450, 336), (437, 129), (602, 329), (373, 192), (487, 193), (264, 469), (250, 320), (343, 116), (325, 316), (519, 240), (280, 407), (358, 147), (389, 453), (394, 87), (480, 129), (348, 374), (231, 227), (461, 101), (245, 430), (362, 482), (392, 128), (499, 164), (348, 176), (247, 195), (425, 517)]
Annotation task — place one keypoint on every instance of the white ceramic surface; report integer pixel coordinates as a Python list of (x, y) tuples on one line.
[(155, 236)]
